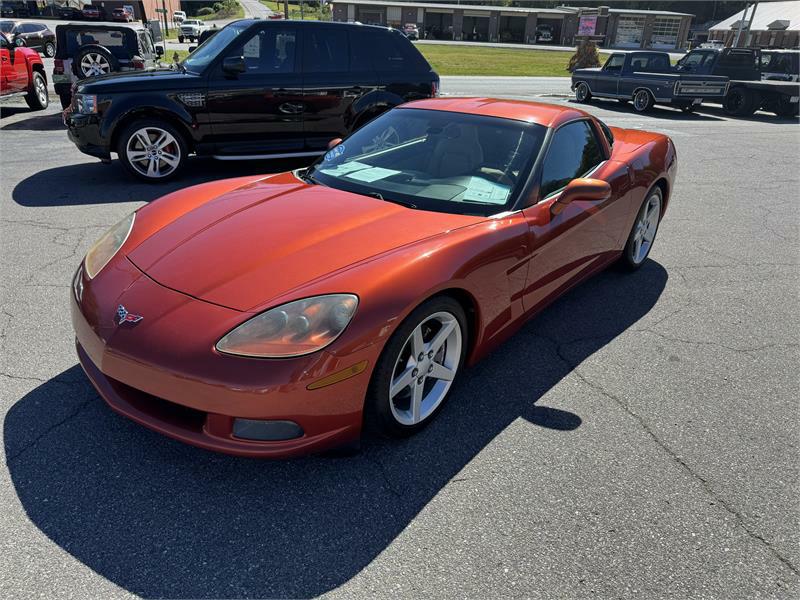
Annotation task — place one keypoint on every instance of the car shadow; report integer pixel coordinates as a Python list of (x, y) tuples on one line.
[(38, 122), (98, 183), (162, 519), (662, 112)]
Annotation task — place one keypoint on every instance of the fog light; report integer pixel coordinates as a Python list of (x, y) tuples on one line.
[(266, 431)]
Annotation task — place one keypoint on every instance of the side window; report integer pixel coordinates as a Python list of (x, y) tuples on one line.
[(325, 50), (573, 152), (269, 50), (360, 52), (615, 63), (393, 52), (607, 133), (3, 43)]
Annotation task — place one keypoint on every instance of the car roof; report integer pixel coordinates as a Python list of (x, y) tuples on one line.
[(548, 115), (312, 23), (100, 25)]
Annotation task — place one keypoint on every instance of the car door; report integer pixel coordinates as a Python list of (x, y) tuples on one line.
[(608, 78), (259, 111), (585, 234), (6, 68), (32, 34), (333, 84)]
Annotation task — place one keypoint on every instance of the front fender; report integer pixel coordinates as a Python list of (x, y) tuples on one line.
[(123, 110)]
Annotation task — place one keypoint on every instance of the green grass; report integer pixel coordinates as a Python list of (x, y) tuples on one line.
[(465, 60)]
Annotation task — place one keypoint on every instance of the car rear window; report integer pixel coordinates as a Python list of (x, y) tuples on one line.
[(113, 40)]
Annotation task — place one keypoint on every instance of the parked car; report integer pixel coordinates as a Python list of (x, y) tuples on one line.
[(275, 16), (36, 36), (121, 15), (314, 303), (780, 65), (244, 95), (178, 16), (14, 9), (647, 78), (747, 92), (411, 31), (70, 13), (22, 73), (191, 29), (90, 12), (90, 50), (544, 34), (712, 44)]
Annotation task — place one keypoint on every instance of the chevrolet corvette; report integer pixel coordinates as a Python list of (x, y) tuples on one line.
[(272, 316)]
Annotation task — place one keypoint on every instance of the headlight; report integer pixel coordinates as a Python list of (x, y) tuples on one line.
[(106, 247), (292, 329), (86, 104)]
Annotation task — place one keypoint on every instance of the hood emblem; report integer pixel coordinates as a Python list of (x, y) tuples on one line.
[(126, 317)]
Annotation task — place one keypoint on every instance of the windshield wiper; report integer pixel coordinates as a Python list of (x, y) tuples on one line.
[(379, 196), (305, 176)]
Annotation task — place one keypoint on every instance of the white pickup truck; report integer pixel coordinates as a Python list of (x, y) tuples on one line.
[(191, 29)]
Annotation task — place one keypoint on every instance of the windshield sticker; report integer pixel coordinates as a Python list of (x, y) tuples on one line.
[(344, 168), (372, 174), (481, 190), (334, 152)]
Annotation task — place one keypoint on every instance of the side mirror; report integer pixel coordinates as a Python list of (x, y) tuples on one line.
[(581, 189), (192, 49), (334, 142), (233, 65), (159, 51)]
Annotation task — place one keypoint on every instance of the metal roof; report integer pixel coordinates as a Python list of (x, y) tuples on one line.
[(766, 13)]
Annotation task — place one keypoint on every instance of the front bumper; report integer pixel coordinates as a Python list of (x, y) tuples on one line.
[(164, 375), (84, 132)]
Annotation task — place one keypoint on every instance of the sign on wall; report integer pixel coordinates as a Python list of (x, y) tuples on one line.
[(587, 25)]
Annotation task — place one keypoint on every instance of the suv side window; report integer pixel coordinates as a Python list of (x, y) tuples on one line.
[(392, 52), (325, 50), (268, 51), (615, 63), (360, 52), (573, 152)]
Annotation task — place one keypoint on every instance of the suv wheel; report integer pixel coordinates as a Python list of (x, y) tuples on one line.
[(94, 61), (49, 49), (152, 150), (37, 98), (740, 102)]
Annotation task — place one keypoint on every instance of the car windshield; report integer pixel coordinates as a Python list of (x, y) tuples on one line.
[(208, 50), (435, 160), (6, 26)]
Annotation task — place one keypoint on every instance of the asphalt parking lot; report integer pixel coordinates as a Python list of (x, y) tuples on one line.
[(638, 439)]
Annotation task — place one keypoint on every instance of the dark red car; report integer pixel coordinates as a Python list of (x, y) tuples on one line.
[(274, 315), (22, 73), (121, 15), (92, 13)]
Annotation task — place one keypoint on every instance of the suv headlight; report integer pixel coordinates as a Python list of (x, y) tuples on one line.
[(86, 104), (292, 329), (107, 246)]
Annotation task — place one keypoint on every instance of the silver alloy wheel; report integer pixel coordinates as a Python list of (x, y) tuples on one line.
[(40, 87), (642, 100), (581, 92), (93, 64), (153, 152), (646, 227), (50, 49), (424, 370)]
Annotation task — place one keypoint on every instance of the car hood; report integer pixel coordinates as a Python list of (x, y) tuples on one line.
[(265, 239), (160, 79)]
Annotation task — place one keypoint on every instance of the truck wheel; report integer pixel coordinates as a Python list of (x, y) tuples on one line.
[(37, 98), (642, 101), (180, 39), (582, 92), (152, 150), (740, 102)]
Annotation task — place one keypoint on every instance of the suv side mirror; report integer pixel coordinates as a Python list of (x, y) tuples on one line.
[(159, 51), (233, 65), (581, 189)]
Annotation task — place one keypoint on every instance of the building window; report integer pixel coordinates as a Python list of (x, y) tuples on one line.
[(629, 32), (665, 32), (394, 16)]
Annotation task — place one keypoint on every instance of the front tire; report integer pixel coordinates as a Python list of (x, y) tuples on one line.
[(582, 92), (152, 150), (417, 368), (643, 235), (643, 101), (37, 98)]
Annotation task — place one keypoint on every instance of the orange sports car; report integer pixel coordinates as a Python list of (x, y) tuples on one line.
[(276, 315)]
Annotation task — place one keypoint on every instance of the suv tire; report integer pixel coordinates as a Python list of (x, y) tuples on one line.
[(37, 98), (180, 39), (50, 49), (152, 150)]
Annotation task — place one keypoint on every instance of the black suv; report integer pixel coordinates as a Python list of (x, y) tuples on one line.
[(257, 89)]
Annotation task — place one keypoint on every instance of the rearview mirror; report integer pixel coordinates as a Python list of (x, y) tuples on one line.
[(581, 189), (334, 142), (233, 65)]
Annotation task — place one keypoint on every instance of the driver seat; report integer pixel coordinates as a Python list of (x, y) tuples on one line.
[(458, 152)]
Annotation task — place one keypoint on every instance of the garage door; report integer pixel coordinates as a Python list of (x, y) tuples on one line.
[(629, 32)]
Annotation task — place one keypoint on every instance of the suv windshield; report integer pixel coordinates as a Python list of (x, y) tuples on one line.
[(435, 160), (208, 50), (6, 26)]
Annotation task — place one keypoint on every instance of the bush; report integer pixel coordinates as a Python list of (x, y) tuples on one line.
[(206, 10), (217, 6), (585, 56)]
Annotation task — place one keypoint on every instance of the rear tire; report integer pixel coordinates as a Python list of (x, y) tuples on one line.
[(49, 49), (582, 92), (643, 234), (152, 150), (643, 101), (740, 102), (37, 98), (394, 415)]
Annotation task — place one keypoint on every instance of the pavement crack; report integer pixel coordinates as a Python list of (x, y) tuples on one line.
[(387, 484)]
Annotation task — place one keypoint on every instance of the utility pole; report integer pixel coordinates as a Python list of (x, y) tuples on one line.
[(285, 9), (741, 26), (166, 26), (749, 36)]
